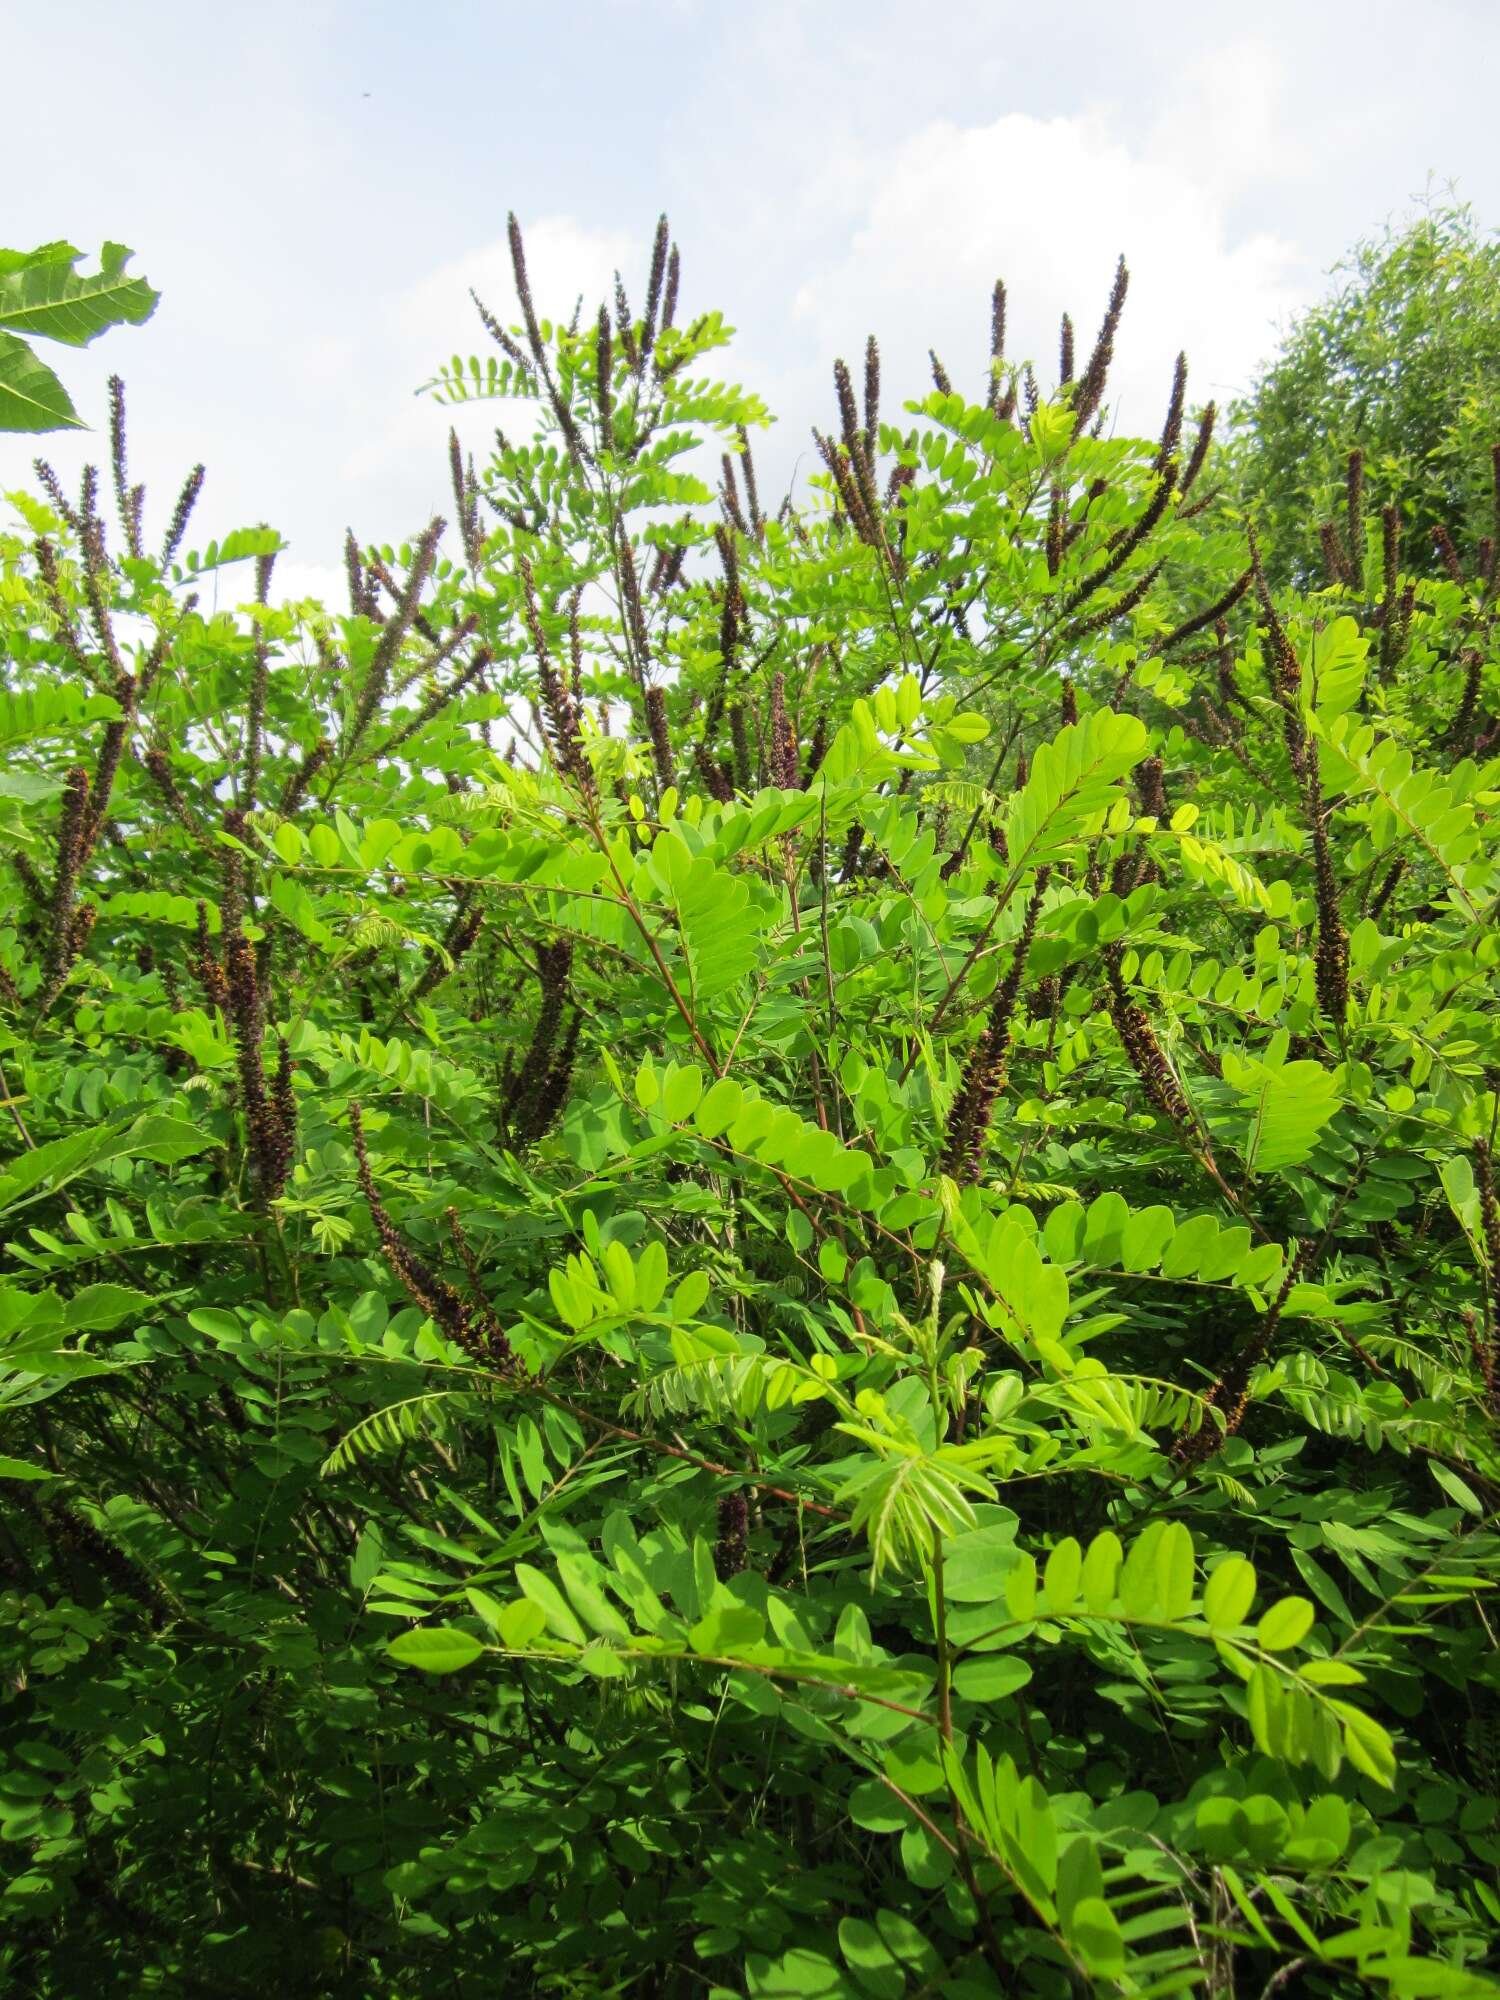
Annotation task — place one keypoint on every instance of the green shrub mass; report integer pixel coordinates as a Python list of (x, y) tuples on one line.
[(1402, 362), (749, 1250)]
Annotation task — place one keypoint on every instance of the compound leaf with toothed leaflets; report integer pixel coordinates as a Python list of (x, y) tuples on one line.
[(44, 295)]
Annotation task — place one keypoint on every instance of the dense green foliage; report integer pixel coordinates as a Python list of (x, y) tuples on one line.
[(1400, 363), (748, 1255)]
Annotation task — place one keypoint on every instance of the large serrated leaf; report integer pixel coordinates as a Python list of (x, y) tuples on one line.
[(46, 295)]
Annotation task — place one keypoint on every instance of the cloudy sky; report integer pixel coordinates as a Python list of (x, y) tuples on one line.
[(315, 186)]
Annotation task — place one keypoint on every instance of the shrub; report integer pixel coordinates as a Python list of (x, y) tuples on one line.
[(753, 1250)]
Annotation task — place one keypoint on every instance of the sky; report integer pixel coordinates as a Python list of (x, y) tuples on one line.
[(315, 187)]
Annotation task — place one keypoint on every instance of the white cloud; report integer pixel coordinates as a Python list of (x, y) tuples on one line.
[(1242, 139), (1048, 204), (291, 581), (564, 261), (435, 318)]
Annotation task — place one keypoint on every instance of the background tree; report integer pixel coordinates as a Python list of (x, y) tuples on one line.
[(1402, 361)]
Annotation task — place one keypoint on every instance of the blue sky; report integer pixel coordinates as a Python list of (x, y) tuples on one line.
[(314, 187)]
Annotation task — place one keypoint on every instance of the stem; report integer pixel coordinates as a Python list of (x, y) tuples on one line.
[(944, 1652), (655, 950)]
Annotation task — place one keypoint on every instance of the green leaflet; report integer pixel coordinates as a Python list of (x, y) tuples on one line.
[(49, 710), (436, 1649), (1289, 1107), (715, 919), (1072, 782), (155, 1136), (1415, 803)]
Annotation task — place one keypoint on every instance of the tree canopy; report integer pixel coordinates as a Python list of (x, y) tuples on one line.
[(1401, 363)]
